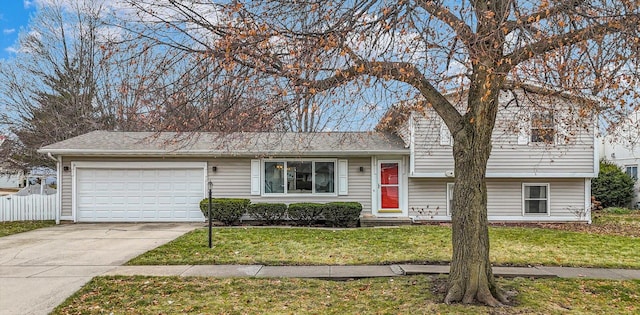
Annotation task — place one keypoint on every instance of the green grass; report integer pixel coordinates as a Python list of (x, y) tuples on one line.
[(414, 244), (617, 210), (401, 295), (617, 216), (9, 228)]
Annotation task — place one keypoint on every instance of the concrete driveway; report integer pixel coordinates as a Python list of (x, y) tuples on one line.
[(40, 269)]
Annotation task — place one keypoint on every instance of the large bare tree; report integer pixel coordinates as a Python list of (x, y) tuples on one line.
[(48, 90), (74, 72), (418, 48)]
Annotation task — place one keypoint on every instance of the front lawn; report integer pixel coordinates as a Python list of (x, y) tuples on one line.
[(8, 228), (519, 246), (401, 295), (624, 218)]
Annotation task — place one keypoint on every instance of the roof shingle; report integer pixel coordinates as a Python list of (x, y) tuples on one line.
[(228, 144)]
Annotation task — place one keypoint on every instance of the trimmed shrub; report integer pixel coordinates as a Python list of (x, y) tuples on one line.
[(305, 213), (343, 214), (225, 210), (270, 213), (612, 187)]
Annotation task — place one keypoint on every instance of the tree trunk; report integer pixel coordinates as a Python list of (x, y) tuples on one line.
[(471, 278)]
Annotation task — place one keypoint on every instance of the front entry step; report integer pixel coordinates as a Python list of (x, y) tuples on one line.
[(377, 221)]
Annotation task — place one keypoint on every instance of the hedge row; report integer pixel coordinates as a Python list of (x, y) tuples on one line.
[(230, 210)]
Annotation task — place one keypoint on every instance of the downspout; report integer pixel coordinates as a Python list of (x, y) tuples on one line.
[(58, 187)]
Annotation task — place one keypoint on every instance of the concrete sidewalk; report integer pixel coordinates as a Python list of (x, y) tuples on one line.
[(353, 272)]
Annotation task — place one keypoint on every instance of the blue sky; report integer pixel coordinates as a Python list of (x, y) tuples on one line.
[(14, 15)]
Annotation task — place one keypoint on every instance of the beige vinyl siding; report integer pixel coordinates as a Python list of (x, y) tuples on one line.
[(404, 132), (66, 193), (233, 179), (567, 197), (429, 155), (427, 197), (508, 157)]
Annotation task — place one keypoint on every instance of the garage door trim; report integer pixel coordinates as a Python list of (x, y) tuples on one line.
[(129, 165)]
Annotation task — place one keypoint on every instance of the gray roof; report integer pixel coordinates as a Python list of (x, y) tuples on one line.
[(118, 143)]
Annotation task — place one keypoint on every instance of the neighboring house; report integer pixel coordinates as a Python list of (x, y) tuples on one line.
[(11, 177), (539, 170), (622, 147)]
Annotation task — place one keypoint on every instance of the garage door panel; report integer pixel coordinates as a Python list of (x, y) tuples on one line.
[(110, 173), (133, 186), (104, 200), (167, 186), (136, 195), (134, 200), (118, 200), (146, 200), (149, 186), (148, 215)]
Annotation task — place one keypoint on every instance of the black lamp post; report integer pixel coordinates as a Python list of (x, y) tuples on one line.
[(210, 225)]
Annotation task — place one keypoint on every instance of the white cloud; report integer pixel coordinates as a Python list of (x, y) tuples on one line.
[(28, 4), (8, 31), (11, 49)]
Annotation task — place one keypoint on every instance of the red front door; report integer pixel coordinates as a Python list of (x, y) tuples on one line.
[(389, 185)]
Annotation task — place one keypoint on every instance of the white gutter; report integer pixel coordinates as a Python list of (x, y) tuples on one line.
[(58, 187), (209, 153)]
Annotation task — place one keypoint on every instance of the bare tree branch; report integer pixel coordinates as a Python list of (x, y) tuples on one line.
[(554, 42), (462, 30)]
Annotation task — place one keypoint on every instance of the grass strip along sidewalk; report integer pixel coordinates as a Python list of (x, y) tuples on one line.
[(517, 246), (611, 242), (406, 295)]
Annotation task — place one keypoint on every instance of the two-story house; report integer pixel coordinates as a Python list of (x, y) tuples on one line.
[(542, 160), (540, 168)]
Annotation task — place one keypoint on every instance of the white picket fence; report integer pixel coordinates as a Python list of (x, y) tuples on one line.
[(28, 208)]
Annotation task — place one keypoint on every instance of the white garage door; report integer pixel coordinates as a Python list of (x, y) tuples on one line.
[(139, 194)]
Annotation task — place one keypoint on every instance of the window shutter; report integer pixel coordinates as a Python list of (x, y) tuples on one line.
[(343, 174), (445, 134), (524, 131), (255, 177)]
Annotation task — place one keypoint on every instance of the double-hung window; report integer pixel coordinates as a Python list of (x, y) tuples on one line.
[(535, 198), (543, 129), (299, 177), (632, 171)]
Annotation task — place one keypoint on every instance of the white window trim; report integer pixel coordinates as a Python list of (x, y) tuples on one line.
[(449, 192), (313, 173), (555, 131), (548, 199), (629, 166)]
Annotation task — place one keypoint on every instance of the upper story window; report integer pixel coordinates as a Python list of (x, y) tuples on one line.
[(543, 129), (446, 138), (299, 177), (632, 170)]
